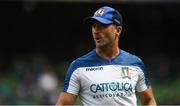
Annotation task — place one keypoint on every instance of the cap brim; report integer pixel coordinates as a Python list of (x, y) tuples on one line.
[(90, 20)]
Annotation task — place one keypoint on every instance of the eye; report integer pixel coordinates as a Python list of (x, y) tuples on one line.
[(99, 25), (93, 24), (104, 25)]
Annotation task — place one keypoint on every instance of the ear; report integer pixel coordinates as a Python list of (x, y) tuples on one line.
[(118, 30)]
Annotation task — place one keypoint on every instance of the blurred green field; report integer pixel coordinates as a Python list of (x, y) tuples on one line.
[(167, 93)]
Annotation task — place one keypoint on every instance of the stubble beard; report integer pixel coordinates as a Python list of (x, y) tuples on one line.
[(104, 46)]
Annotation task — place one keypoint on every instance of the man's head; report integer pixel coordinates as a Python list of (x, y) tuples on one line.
[(106, 27)]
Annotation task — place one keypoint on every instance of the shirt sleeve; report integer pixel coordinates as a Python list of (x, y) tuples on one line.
[(143, 82), (71, 82)]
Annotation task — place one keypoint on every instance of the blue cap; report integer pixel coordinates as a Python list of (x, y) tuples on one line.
[(106, 15)]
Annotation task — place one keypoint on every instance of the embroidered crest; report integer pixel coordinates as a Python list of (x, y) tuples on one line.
[(125, 72), (99, 12)]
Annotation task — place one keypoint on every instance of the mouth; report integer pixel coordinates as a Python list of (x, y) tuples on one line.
[(98, 39)]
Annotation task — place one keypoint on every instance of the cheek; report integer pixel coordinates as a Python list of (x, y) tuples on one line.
[(109, 37), (111, 34)]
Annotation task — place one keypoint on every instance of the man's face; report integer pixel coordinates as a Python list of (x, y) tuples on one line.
[(104, 35)]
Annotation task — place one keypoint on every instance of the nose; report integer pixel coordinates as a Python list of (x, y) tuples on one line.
[(96, 28), (96, 31)]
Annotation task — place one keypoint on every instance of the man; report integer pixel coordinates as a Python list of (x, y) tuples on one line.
[(107, 75)]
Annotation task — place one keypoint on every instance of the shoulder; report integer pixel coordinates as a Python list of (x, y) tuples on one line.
[(89, 56), (84, 60), (131, 59)]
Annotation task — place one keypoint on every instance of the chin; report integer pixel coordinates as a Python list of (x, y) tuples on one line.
[(101, 46)]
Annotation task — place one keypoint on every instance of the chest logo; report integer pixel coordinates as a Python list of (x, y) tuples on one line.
[(125, 72), (94, 69)]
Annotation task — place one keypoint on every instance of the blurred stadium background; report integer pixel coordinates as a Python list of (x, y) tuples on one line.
[(40, 38)]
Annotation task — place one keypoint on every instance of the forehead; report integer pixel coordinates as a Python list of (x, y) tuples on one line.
[(100, 24)]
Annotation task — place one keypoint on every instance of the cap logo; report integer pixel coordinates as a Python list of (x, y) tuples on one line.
[(99, 12)]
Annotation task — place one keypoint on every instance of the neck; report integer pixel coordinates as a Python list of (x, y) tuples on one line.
[(108, 53)]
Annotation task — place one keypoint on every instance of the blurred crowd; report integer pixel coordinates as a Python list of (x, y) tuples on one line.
[(30, 80)]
